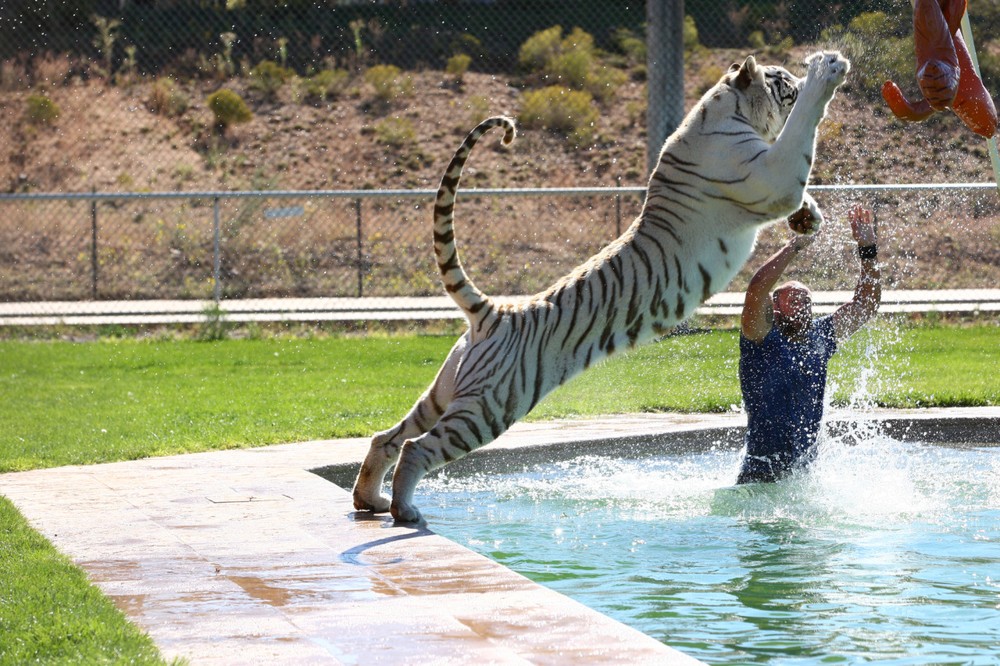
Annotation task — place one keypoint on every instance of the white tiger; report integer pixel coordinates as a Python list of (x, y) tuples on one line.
[(740, 160)]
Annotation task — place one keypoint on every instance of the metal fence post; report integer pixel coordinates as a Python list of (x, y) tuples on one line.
[(93, 245), (361, 267), (216, 254), (618, 209), (665, 82)]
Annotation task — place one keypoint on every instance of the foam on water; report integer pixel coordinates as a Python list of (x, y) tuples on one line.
[(859, 478)]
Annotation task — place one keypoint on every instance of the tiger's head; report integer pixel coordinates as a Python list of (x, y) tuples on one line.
[(767, 94)]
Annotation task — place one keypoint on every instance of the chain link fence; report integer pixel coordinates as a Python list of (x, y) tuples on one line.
[(245, 245), (353, 109), (230, 245)]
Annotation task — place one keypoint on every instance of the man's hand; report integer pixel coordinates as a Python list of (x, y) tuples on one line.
[(849, 317), (801, 242), (863, 225)]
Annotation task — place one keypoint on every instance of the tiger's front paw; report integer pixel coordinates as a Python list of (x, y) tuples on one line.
[(806, 220), (827, 70)]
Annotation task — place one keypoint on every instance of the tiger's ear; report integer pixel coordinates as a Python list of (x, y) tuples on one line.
[(749, 72)]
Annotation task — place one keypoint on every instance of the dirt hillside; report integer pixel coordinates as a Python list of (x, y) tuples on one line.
[(110, 139)]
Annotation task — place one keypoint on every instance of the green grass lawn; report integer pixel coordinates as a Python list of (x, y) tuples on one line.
[(81, 403), (78, 403), (50, 614), (67, 403)]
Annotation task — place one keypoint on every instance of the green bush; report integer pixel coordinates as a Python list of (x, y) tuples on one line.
[(604, 81), (571, 68), (632, 45), (467, 44), (568, 60), (572, 61), (268, 77), (708, 75), (691, 41), (457, 66), (877, 53), (389, 82), (395, 132), (540, 48), (326, 84), (559, 109), (229, 108), (578, 40), (41, 110)]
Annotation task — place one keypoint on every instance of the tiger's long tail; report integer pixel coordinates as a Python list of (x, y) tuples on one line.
[(476, 305)]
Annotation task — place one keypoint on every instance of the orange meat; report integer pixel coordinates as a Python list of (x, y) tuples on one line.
[(945, 72), (937, 62), (973, 103), (903, 108)]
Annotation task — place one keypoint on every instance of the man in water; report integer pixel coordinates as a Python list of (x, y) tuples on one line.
[(784, 354)]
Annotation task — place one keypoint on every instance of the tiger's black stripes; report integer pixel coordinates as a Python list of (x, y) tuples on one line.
[(739, 160), (706, 283)]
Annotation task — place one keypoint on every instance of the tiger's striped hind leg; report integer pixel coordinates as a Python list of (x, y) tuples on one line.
[(383, 453), (466, 425), (386, 445)]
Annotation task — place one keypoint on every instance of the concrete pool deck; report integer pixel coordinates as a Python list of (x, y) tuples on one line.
[(246, 556)]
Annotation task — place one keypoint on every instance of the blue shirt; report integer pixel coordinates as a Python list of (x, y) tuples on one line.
[(783, 384)]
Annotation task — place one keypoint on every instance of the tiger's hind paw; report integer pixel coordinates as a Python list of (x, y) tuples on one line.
[(377, 504), (406, 513)]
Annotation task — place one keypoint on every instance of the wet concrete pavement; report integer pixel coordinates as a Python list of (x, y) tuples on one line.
[(245, 556)]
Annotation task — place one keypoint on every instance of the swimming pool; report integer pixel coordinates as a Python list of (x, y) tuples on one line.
[(885, 550)]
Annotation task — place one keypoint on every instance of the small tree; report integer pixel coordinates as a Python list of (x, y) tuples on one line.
[(107, 34), (225, 67)]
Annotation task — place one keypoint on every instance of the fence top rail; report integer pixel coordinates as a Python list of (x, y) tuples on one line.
[(424, 193)]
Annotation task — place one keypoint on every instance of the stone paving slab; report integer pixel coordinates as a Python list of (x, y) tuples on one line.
[(239, 557), (235, 557)]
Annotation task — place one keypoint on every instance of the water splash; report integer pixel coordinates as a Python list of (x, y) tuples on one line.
[(861, 478)]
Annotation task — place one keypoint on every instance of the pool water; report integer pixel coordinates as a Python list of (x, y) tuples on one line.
[(882, 551)]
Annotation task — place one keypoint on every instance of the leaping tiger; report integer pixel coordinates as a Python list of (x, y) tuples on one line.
[(739, 161)]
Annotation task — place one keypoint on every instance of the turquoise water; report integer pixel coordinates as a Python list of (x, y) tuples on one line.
[(883, 551)]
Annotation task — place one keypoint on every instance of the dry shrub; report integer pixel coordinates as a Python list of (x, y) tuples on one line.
[(52, 69), (166, 99), (13, 75)]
